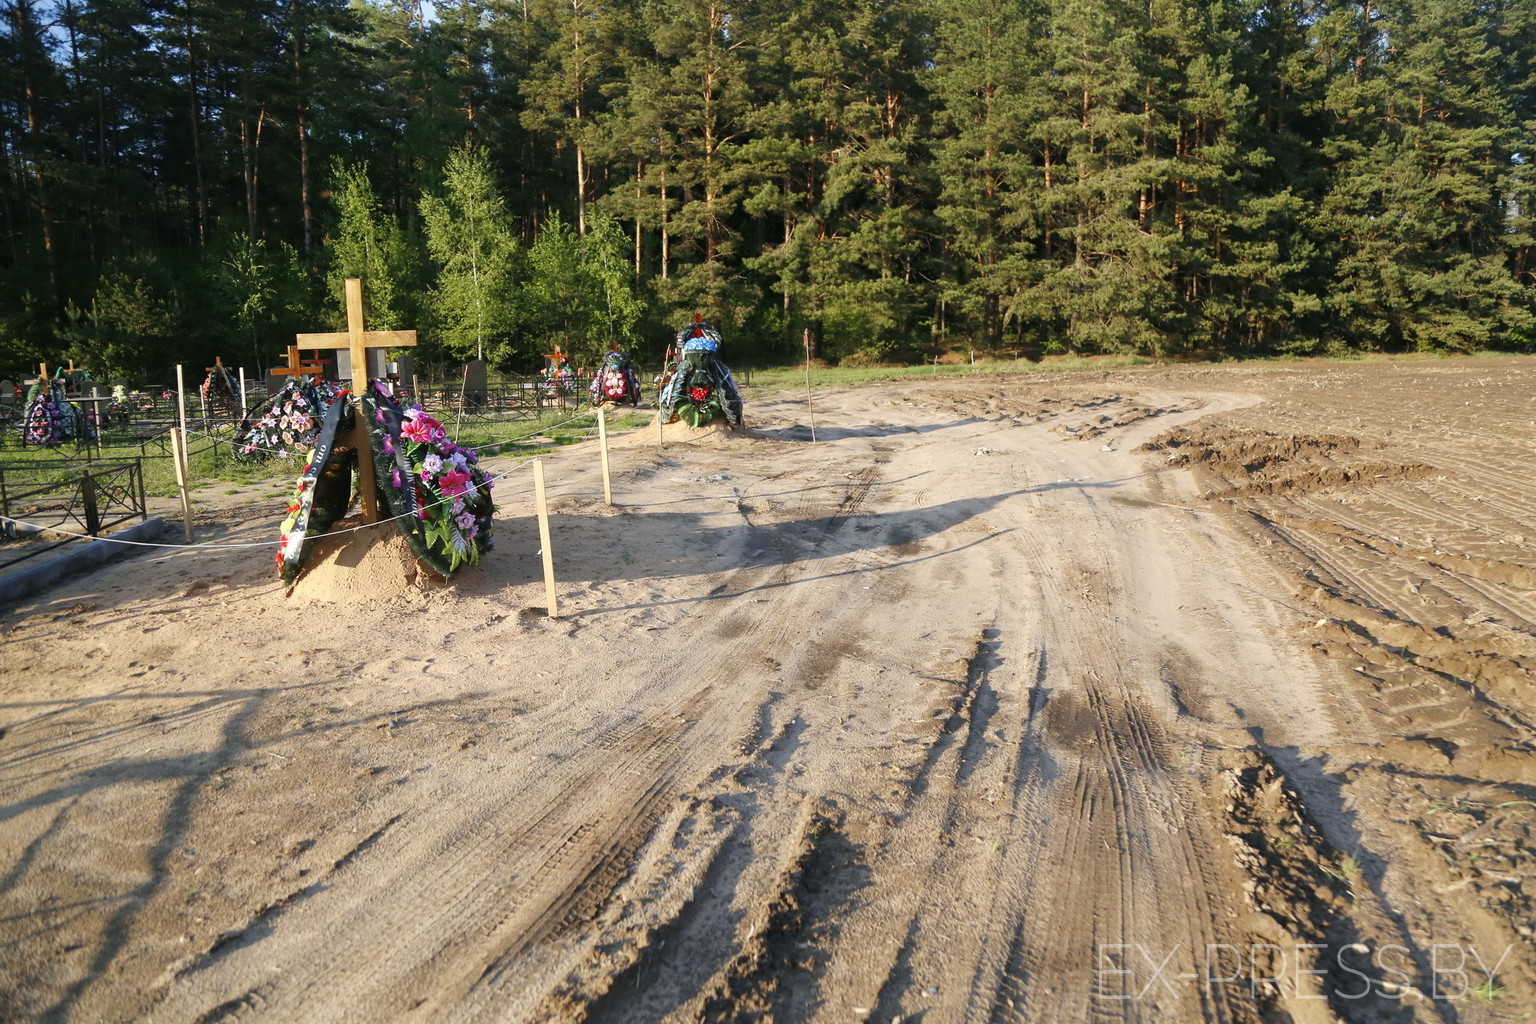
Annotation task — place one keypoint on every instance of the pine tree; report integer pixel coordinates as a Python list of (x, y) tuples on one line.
[(986, 69), (367, 244), (1422, 154), (471, 242), (1104, 144), (700, 102)]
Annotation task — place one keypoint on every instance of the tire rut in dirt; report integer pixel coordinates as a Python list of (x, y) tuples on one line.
[(494, 895)]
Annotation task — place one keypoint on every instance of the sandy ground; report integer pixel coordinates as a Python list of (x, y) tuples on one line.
[(1172, 694)]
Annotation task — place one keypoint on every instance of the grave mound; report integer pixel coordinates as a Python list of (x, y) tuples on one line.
[(362, 565)]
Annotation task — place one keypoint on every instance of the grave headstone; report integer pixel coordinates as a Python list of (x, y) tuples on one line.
[(8, 394), (475, 383), (403, 369)]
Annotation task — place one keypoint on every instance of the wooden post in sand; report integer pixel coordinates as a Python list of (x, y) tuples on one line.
[(358, 341), (602, 443), (549, 558), (809, 407), (179, 449), (666, 358), (179, 456)]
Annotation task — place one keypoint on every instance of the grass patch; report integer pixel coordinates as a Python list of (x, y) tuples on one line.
[(779, 378), (1488, 991)]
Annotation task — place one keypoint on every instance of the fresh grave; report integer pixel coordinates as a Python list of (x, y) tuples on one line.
[(429, 487)]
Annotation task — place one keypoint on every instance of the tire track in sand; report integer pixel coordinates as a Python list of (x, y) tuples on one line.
[(1073, 877)]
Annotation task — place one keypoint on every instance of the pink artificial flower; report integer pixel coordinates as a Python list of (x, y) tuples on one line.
[(418, 430), (453, 483)]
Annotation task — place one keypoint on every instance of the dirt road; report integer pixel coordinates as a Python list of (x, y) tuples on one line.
[(1171, 694)]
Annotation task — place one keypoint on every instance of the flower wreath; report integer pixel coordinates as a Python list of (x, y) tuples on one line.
[(290, 423), (45, 422), (323, 492), (51, 419), (442, 497), (218, 384), (427, 485)]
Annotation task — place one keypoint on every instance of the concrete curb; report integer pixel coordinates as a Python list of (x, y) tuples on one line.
[(81, 555)]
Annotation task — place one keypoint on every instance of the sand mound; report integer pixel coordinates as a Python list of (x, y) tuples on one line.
[(371, 564), (713, 434)]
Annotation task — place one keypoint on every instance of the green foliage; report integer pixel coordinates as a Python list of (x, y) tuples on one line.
[(890, 177), (262, 291), (475, 254), (135, 318), (580, 291), (367, 244)]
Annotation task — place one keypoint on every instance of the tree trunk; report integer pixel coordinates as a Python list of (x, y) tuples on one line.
[(665, 234), (25, 30), (306, 208), (250, 155), (195, 115)]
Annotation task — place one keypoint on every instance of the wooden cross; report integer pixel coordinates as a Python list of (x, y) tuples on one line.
[(555, 358), (358, 341), (296, 367), (218, 364)]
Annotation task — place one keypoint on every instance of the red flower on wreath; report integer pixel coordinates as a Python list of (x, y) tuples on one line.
[(699, 394)]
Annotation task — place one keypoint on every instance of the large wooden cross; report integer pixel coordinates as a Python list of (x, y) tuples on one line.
[(357, 341), (42, 369), (296, 366)]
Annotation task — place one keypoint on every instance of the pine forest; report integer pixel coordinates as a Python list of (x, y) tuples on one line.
[(888, 179)]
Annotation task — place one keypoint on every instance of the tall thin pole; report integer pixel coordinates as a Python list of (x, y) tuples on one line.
[(602, 441), (809, 407), (544, 549)]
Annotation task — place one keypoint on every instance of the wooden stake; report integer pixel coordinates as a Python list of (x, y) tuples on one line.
[(242, 393), (602, 443), (458, 425), (179, 456), (809, 407), (181, 404), (549, 559)]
